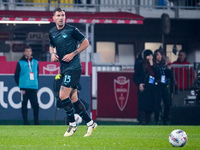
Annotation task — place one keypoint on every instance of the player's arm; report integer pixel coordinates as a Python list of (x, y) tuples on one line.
[(54, 57), (51, 50), (84, 44)]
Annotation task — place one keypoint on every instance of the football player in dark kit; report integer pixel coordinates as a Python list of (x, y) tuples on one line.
[(64, 48)]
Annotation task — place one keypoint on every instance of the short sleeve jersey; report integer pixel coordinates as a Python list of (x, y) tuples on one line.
[(66, 41)]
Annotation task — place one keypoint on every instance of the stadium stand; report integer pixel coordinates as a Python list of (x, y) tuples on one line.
[(146, 8)]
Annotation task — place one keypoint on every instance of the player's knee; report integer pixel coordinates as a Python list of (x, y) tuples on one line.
[(74, 99), (62, 97), (64, 94), (73, 94)]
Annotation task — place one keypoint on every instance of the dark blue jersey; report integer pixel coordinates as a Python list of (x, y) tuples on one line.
[(66, 41)]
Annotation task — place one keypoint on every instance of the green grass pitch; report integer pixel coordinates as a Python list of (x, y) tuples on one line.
[(106, 137)]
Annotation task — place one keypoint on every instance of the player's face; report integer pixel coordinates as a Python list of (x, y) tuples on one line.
[(59, 18), (28, 53)]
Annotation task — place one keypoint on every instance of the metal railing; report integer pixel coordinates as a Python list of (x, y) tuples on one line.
[(109, 67), (134, 6), (184, 76)]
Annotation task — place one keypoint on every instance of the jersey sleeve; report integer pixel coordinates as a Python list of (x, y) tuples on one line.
[(78, 35), (51, 41)]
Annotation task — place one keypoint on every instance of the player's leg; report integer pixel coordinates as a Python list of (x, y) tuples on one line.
[(24, 98), (81, 110), (34, 103), (69, 81), (69, 108)]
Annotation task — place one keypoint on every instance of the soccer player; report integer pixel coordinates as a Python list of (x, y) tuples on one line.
[(64, 48)]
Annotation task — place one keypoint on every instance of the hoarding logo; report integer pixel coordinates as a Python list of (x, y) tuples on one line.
[(51, 69), (121, 90)]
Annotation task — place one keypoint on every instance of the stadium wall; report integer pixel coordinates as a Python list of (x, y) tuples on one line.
[(10, 98)]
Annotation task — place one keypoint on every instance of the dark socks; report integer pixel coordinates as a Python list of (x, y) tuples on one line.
[(80, 109), (68, 106)]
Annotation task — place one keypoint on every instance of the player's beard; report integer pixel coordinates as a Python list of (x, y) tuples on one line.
[(61, 25)]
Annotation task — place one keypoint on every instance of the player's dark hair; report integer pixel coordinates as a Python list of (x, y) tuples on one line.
[(27, 47), (57, 9)]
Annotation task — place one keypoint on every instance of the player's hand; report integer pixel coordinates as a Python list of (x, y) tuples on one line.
[(141, 87), (68, 57), (54, 57)]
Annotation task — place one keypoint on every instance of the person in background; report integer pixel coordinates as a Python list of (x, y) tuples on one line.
[(138, 60), (181, 73), (26, 77), (144, 79), (163, 80)]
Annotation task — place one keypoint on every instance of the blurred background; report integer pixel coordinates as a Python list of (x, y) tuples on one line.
[(118, 31)]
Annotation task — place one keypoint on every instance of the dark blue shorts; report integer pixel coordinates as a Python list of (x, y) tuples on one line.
[(71, 78)]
